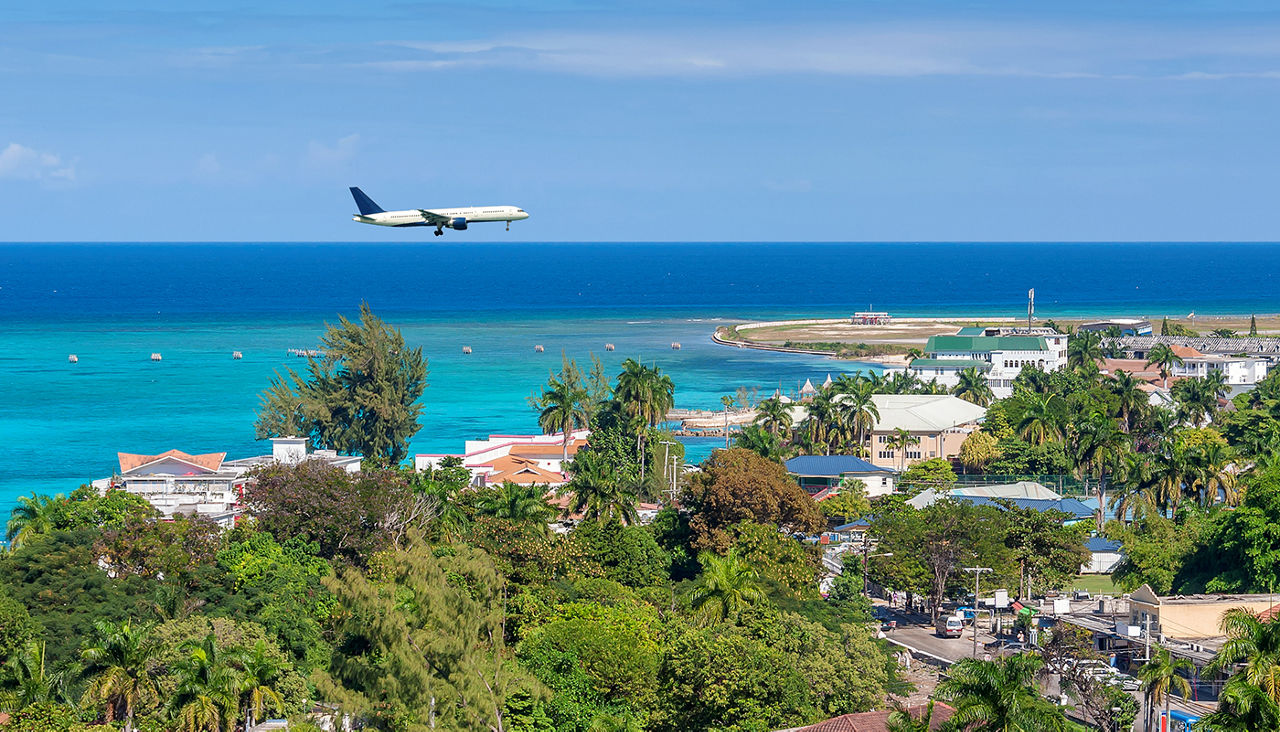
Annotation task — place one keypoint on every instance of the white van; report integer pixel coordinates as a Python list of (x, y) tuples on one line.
[(949, 627)]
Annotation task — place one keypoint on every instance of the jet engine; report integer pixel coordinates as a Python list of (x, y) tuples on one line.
[(459, 223)]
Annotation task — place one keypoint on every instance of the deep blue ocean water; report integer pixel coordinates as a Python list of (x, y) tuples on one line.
[(114, 304)]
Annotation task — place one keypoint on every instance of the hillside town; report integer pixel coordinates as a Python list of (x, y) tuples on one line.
[(1082, 519)]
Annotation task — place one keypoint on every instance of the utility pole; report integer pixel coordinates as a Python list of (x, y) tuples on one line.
[(977, 573), (1147, 657), (674, 475), (666, 460)]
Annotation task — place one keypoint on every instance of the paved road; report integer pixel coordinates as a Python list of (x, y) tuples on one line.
[(916, 631)]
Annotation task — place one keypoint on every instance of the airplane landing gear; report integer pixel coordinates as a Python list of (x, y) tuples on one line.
[(508, 226), (439, 231)]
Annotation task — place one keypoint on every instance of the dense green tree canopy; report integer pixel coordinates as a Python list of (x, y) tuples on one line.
[(360, 397)]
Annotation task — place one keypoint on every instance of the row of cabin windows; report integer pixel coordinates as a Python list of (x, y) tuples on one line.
[(884, 439)]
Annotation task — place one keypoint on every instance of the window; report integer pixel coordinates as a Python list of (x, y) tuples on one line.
[(886, 454), (913, 454)]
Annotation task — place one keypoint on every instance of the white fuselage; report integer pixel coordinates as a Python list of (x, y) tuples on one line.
[(470, 214)]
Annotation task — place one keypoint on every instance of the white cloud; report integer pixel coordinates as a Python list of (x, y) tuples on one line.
[(883, 50), (208, 165), (23, 163), (326, 156)]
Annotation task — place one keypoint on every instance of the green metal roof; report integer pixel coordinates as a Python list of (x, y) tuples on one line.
[(949, 363), (984, 344), (972, 330)]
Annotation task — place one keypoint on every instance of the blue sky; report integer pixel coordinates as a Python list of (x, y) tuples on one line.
[(643, 121)]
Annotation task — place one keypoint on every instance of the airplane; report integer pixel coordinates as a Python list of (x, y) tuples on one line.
[(441, 218)]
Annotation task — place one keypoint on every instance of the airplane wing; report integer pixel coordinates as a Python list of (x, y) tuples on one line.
[(433, 218)]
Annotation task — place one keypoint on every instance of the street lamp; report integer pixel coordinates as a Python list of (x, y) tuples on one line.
[(977, 573)]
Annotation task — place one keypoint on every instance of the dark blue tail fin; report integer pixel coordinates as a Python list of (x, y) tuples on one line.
[(364, 203)]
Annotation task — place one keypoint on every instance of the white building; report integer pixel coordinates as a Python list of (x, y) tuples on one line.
[(525, 459), (1238, 370), (1000, 357), (178, 483)]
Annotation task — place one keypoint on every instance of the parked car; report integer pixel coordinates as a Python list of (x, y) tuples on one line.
[(1008, 648)]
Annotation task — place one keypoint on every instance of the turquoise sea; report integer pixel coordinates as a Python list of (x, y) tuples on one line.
[(114, 304)]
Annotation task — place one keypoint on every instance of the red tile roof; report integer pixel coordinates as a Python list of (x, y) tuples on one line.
[(523, 471), (550, 452), (878, 721), (210, 461), (1268, 614)]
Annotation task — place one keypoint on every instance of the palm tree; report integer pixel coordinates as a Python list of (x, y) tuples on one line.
[(119, 664), (775, 416), (913, 354), (1129, 397), (1214, 476), (1084, 348), (30, 681), (901, 719), (1041, 422), (821, 420), (1174, 472), (726, 586), (1255, 643), (599, 492), (1160, 676), (450, 519), (1096, 444), (1242, 707), (260, 676), (1196, 400), (207, 698), (900, 440), (973, 387), (32, 516), (761, 442), (998, 695), (857, 409), (1133, 496), (520, 504), (1162, 356), (562, 409), (646, 395)]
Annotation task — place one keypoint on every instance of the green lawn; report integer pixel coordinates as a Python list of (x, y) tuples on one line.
[(1096, 584)]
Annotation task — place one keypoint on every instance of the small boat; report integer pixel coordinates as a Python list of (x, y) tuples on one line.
[(155, 357), (675, 346), (236, 355), (466, 350), (73, 359), (608, 346), (539, 349)]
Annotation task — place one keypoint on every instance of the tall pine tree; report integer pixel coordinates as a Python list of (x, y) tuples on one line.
[(360, 397)]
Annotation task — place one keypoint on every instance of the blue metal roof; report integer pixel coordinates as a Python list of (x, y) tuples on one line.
[(832, 466), (1098, 544), (1067, 505), (861, 523), (1092, 504)]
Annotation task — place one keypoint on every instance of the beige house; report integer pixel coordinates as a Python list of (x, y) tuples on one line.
[(1189, 616), (940, 422)]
